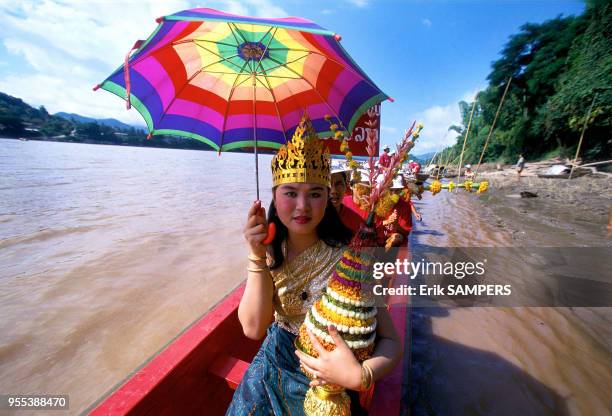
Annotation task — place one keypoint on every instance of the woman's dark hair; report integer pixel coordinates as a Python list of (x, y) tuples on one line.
[(331, 230)]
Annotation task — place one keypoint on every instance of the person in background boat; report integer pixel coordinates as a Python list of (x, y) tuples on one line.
[(385, 159), (414, 167), (354, 214), (286, 277), (409, 190), (520, 165), (399, 222), (469, 173), (339, 184)]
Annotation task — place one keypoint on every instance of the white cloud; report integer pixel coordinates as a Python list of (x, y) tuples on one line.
[(426, 22), (71, 46), (469, 96), (359, 3), (389, 129), (327, 11), (436, 121)]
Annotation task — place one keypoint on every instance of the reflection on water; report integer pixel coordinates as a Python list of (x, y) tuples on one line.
[(506, 361), (107, 252)]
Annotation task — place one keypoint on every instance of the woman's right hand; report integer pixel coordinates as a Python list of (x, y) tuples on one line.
[(256, 230)]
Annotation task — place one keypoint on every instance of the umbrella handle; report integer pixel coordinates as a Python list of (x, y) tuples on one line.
[(271, 234)]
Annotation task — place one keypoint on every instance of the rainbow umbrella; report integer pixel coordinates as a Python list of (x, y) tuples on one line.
[(236, 82)]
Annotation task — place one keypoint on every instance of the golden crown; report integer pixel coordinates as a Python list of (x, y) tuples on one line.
[(304, 159)]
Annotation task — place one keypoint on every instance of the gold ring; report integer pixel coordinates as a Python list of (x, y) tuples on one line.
[(314, 375)]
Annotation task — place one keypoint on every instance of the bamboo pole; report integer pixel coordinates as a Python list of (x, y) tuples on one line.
[(584, 126), (603, 162), (467, 133), (501, 102), (432, 159), (450, 152)]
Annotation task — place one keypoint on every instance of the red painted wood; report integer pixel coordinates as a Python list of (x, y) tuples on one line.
[(230, 369), (388, 390)]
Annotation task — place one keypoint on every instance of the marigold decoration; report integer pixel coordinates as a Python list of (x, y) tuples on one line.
[(348, 300), (339, 134), (344, 146), (386, 203), (484, 185), (435, 187)]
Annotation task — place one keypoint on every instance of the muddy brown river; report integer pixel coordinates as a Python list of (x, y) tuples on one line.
[(107, 253)]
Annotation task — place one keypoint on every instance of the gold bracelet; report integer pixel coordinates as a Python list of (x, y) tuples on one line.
[(255, 270), (259, 263), (255, 258), (367, 377)]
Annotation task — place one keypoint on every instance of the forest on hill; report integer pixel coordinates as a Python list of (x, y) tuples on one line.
[(558, 70), (18, 119)]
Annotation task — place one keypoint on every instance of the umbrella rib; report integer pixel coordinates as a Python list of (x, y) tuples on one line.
[(264, 36), (233, 34), (287, 63), (259, 65), (315, 90), (275, 104), (219, 72), (241, 36), (244, 80), (222, 57), (278, 76), (348, 68), (198, 72), (237, 31), (179, 42), (229, 99)]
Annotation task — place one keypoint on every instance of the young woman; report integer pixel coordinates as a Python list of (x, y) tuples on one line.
[(286, 277)]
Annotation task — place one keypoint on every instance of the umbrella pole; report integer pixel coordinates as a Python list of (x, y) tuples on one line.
[(255, 134)]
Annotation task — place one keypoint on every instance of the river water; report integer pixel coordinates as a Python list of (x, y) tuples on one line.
[(107, 253), (510, 360)]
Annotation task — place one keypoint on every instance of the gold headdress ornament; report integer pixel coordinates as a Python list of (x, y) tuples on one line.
[(305, 159)]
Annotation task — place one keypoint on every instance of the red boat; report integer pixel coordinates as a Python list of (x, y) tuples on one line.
[(198, 371)]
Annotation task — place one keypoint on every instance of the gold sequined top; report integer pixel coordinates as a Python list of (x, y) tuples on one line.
[(300, 282)]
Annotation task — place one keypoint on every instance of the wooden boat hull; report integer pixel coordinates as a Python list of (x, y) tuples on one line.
[(198, 371), (181, 379)]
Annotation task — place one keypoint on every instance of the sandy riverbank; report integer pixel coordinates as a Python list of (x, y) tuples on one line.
[(578, 209)]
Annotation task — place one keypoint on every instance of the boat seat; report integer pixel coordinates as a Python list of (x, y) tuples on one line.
[(229, 368)]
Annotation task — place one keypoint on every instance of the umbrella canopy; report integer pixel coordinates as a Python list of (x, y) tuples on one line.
[(236, 82)]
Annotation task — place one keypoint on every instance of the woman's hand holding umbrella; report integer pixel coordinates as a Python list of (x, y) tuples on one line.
[(256, 229)]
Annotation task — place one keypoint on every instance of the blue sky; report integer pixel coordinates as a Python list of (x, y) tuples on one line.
[(427, 55)]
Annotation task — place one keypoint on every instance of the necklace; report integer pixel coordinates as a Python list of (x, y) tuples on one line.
[(310, 255)]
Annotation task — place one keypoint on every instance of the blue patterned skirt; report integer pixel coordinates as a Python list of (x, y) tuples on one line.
[(274, 383)]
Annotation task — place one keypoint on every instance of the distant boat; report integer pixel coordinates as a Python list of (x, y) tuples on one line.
[(449, 173), (563, 172), (422, 177), (23, 139)]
